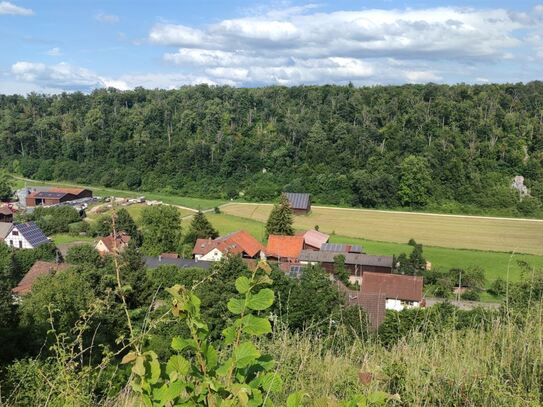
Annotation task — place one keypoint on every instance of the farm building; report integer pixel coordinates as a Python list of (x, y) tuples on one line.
[(313, 239), (239, 242), (55, 196), (401, 291), (300, 203), (111, 244), (39, 269), (25, 236), (284, 248), (355, 263), (6, 214), (373, 304)]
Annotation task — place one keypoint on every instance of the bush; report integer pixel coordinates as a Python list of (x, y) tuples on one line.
[(471, 295), (78, 228), (498, 287)]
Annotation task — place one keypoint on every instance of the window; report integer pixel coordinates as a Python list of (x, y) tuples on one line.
[(20, 244), (11, 242), (15, 233)]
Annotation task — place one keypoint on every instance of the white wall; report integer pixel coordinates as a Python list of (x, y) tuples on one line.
[(17, 241), (399, 305), (213, 255)]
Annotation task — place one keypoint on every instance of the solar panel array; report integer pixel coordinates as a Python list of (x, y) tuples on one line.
[(341, 248), (54, 195), (298, 201), (32, 233)]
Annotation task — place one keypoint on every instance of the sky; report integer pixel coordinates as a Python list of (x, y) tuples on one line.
[(80, 45)]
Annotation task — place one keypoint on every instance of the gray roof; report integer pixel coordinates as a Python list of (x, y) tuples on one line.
[(298, 201), (154, 262), (32, 233), (340, 247), (4, 229), (350, 258)]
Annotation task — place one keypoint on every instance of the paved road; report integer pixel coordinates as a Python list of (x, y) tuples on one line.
[(465, 305)]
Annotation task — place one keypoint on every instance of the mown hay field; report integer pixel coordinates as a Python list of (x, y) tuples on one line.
[(459, 232)]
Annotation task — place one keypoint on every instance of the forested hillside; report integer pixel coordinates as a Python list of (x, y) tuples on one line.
[(445, 147)]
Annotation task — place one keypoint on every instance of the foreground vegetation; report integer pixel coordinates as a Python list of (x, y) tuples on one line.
[(448, 148)]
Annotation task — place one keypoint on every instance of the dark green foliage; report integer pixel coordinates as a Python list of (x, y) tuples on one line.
[(200, 228), (471, 295), (281, 219), (339, 270), (79, 228), (55, 219), (123, 223), (133, 274), (371, 146), (498, 287), (24, 259), (84, 254), (6, 186), (161, 227), (413, 265)]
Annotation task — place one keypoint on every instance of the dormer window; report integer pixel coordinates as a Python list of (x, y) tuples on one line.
[(15, 233)]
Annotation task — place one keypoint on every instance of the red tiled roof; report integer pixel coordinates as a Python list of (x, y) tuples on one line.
[(373, 304), (315, 238), (6, 210), (204, 246), (245, 241), (169, 255), (40, 268), (73, 191), (122, 240), (394, 286), (285, 246)]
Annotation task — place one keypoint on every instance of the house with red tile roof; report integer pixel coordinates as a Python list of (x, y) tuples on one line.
[(238, 243), (110, 244), (39, 269), (284, 248), (400, 291)]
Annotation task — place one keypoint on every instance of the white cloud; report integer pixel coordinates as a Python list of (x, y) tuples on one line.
[(422, 76), (300, 45), (54, 52), (9, 8), (107, 18)]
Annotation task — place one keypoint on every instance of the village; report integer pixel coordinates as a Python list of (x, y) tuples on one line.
[(372, 283)]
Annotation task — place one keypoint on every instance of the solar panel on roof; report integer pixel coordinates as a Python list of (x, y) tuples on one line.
[(297, 200), (32, 233)]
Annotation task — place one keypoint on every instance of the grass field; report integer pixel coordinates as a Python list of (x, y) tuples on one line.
[(495, 264), (195, 203), (63, 238), (135, 212), (501, 235)]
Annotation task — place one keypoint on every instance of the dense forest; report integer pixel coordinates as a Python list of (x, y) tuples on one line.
[(448, 148)]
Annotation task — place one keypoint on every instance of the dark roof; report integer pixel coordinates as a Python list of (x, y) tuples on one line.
[(340, 247), (394, 286), (154, 262), (350, 258), (32, 233), (47, 194), (298, 201), (39, 268)]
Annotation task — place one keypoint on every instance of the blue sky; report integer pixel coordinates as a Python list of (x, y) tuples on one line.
[(55, 46)]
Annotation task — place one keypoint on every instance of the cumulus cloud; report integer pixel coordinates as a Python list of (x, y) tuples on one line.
[(107, 18), (300, 45), (9, 8)]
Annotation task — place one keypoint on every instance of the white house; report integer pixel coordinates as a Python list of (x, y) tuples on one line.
[(25, 236), (401, 292)]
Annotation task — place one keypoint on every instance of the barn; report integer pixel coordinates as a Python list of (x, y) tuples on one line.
[(56, 196), (300, 203)]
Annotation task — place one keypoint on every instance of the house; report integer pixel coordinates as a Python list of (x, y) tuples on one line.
[(284, 248), (251, 248), (6, 214), (112, 244), (55, 196), (240, 243), (355, 263), (39, 269), (300, 203), (373, 304), (214, 250), (313, 239), (154, 262), (25, 236), (341, 248), (401, 291)]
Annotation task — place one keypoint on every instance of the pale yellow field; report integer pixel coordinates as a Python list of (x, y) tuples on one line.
[(436, 230)]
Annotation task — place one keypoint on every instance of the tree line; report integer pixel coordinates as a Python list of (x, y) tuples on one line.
[(447, 148)]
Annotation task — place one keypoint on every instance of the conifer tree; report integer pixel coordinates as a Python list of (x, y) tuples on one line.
[(281, 219), (200, 228)]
